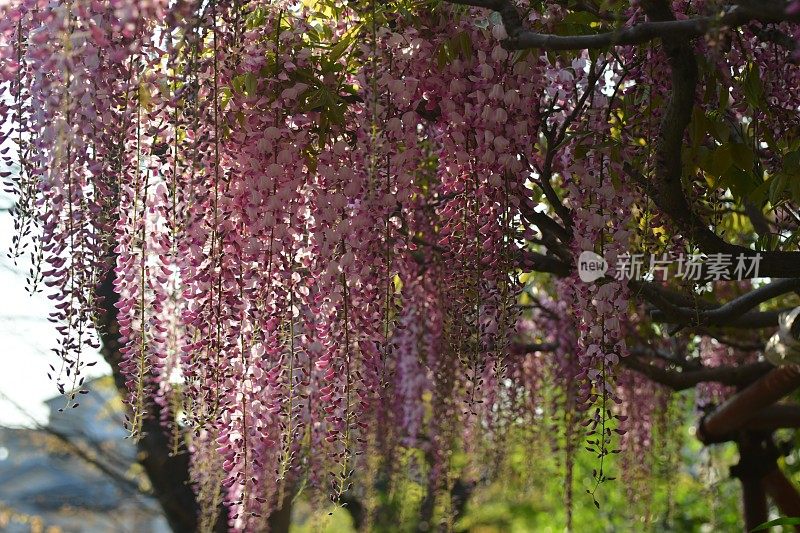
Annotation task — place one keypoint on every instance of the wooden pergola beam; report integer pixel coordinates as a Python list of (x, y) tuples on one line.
[(779, 416), (743, 407)]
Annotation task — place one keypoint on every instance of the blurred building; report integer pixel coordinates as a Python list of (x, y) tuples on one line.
[(76, 474)]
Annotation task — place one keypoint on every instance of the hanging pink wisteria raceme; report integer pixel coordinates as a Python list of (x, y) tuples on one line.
[(315, 218)]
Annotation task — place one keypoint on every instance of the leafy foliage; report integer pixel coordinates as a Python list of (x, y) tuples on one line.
[(342, 236)]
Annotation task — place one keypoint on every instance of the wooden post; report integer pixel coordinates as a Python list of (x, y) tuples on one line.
[(783, 493), (753, 465)]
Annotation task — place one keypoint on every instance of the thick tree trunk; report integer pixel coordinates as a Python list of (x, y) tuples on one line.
[(281, 519), (168, 474)]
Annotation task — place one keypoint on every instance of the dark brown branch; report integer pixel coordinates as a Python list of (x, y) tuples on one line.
[(676, 359), (670, 199), (743, 345), (659, 295), (532, 347), (494, 5), (682, 380), (555, 138), (753, 465), (750, 320), (774, 35), (534, 261), (738, 306), (545, 223), (519, 38), (677, 380), (168, 474), (731, 313), (554, 235), (536, 303), (118, 478), (760, 474), (666, 188), (767, 10)]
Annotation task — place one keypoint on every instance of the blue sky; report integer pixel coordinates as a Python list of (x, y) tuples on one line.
[(26, 338)]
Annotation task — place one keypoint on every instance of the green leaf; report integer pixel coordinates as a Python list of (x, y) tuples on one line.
[(145, 97), (250, 84), (256, 18), (460, 45), (245, 84), (740, 182), (314, 99), (699, 126), (782, 521), (743, 156), (577, 23), (753, 89), (224, 98), (760, 194), (791, 163), (791, 172), (776, 188), (338, 50), (341, 47), (724, 97), (465, 44), (720, 129), (443, 56), (794, 189), (716, 162)]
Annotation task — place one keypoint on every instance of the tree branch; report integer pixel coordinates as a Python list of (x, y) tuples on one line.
[(750, 320), (532, 347), (675, 359), (743, 345), (682, 380), (124, 482), (544, 223), (732, 312), (519, 38), (168, 474), (555, 138), (544, 263), (677, 380), (666, 189)]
